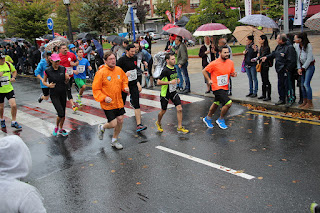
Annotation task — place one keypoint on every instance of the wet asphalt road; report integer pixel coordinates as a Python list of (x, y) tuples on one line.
[(83, 174)]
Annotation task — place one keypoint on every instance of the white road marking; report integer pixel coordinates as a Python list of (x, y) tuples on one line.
[(78, 115), (188, 98), (42, 126), (207, 163)]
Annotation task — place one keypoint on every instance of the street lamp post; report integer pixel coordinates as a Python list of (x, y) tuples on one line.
[(67, 3)]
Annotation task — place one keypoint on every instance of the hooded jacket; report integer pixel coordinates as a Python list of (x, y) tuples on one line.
[(15, 163), (42, 66), (284, 58)]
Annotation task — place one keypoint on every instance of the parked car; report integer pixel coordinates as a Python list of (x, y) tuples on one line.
[(155, 36)]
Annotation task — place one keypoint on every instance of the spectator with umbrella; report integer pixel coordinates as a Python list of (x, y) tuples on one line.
[(250, 53), (170, 42)]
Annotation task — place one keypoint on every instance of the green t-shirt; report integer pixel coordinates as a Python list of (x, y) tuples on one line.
[(5, 83), (168, 74)]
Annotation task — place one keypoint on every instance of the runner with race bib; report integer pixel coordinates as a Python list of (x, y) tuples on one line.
[(221, 69), (169, 80), (68, 60), (80, 74), (128, 64)]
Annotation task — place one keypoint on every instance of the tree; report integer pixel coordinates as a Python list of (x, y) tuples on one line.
[(214, 11), (163, 5), (142, 10), (274, 8), (60, 18), (27, 20), (102, 15)]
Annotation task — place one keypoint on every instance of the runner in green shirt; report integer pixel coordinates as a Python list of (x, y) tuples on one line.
[(7, 75)]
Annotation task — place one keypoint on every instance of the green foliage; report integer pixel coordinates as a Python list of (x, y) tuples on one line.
[(142, 10), (102, 15), (27, 20), (274, 8), (61, 19), (163, 5), (214, 11)]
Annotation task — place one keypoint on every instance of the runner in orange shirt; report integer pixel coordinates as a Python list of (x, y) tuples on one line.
[(221, 69), (107, 87)]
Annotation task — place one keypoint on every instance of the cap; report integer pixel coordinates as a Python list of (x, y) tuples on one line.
[(2, 55), (71, 46), (55, 57)]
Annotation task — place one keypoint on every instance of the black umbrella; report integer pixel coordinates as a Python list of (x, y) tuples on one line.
[(48, 36), (116, 39), (182, 22), (111, 38)]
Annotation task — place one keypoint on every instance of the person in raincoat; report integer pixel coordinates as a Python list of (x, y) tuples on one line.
[(15, 163)]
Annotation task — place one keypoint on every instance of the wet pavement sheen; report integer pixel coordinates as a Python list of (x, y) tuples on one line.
[(80, 173)]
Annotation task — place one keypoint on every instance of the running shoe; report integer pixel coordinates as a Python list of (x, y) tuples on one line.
[(116, 145), (79, 100), (40, 98), (100, 132), (55, 131), (16, 125), (63, 132), (182, 130), (140, 128), (159, 127), (314, 208), (74, 108), (3, 124), (208, 122), (221, 123)]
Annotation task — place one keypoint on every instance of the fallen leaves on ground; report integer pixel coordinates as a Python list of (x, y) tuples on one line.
[(296, 181), (138, 183), (260, 178), (253, 150), (113, 171), (232, 140), (252, 107)]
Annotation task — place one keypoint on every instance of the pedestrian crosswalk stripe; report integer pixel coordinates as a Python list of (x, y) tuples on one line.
[(78, 115), (188, 98), (35, 123)]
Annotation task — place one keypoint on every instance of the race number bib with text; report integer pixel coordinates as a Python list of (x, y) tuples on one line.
[(172, 87), (81, 68), (69, 70), (222, 80), (4, 80), (133, 75)]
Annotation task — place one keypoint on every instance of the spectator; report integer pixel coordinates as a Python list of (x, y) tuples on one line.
[(76, 44), (15, 163), (207, 53), (282, 56), (305, 65), (148, 38), (72, 49), (298, 77), (264, 51), (182, 65), (275, 32), (122, 49), (250, 63), (19, 54), (90, 56), (171, 43)]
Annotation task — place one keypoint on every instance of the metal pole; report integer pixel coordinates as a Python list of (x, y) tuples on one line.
[(69, 25), (285, 16), (132, 22)]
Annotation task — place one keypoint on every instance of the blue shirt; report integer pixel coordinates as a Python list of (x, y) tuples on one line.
[(147, 55), (83, 64), (42, 66)]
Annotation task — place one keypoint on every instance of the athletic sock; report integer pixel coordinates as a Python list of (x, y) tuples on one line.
[(101, 128), (113, 140), (209, 118), (13, 122)]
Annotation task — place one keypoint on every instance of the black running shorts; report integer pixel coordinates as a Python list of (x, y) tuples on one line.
[(8, 95), (174, 97), (114, 113)]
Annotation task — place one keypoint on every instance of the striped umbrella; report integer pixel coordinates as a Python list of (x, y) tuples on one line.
[(211, 29), (313, 22)]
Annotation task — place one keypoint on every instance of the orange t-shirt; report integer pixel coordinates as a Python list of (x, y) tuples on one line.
[(220, 73), (109, 82)]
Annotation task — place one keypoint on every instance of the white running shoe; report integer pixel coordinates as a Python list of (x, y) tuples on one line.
[(100, 132), (116, 145)]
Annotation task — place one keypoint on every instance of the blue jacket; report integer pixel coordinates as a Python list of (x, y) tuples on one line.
[(42, 66)]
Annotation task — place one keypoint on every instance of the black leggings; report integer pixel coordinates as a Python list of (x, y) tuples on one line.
[(59, 102), (69, 86), (265, 76)]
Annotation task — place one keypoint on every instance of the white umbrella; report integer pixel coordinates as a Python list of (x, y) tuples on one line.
[(259, 20), (313, 22)]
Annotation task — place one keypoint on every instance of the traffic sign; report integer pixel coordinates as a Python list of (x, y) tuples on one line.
[(50, 23)]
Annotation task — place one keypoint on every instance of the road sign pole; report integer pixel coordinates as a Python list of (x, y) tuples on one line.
[(52, 33), (132, 22)]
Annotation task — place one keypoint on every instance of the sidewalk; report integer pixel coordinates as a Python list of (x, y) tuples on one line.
[(240, 85)]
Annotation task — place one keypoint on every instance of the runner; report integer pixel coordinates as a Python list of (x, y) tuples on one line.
[(57, 78), (221, 69), (80, 74), (8, 74), (128, 63), (68, 60), (169, 80), (107, 87), (39, 72)]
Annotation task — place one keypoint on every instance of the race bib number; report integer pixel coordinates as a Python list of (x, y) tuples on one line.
[(133, 75), (172, 87), (81, 68), (69, 70), (222, 80), (4, 80)]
